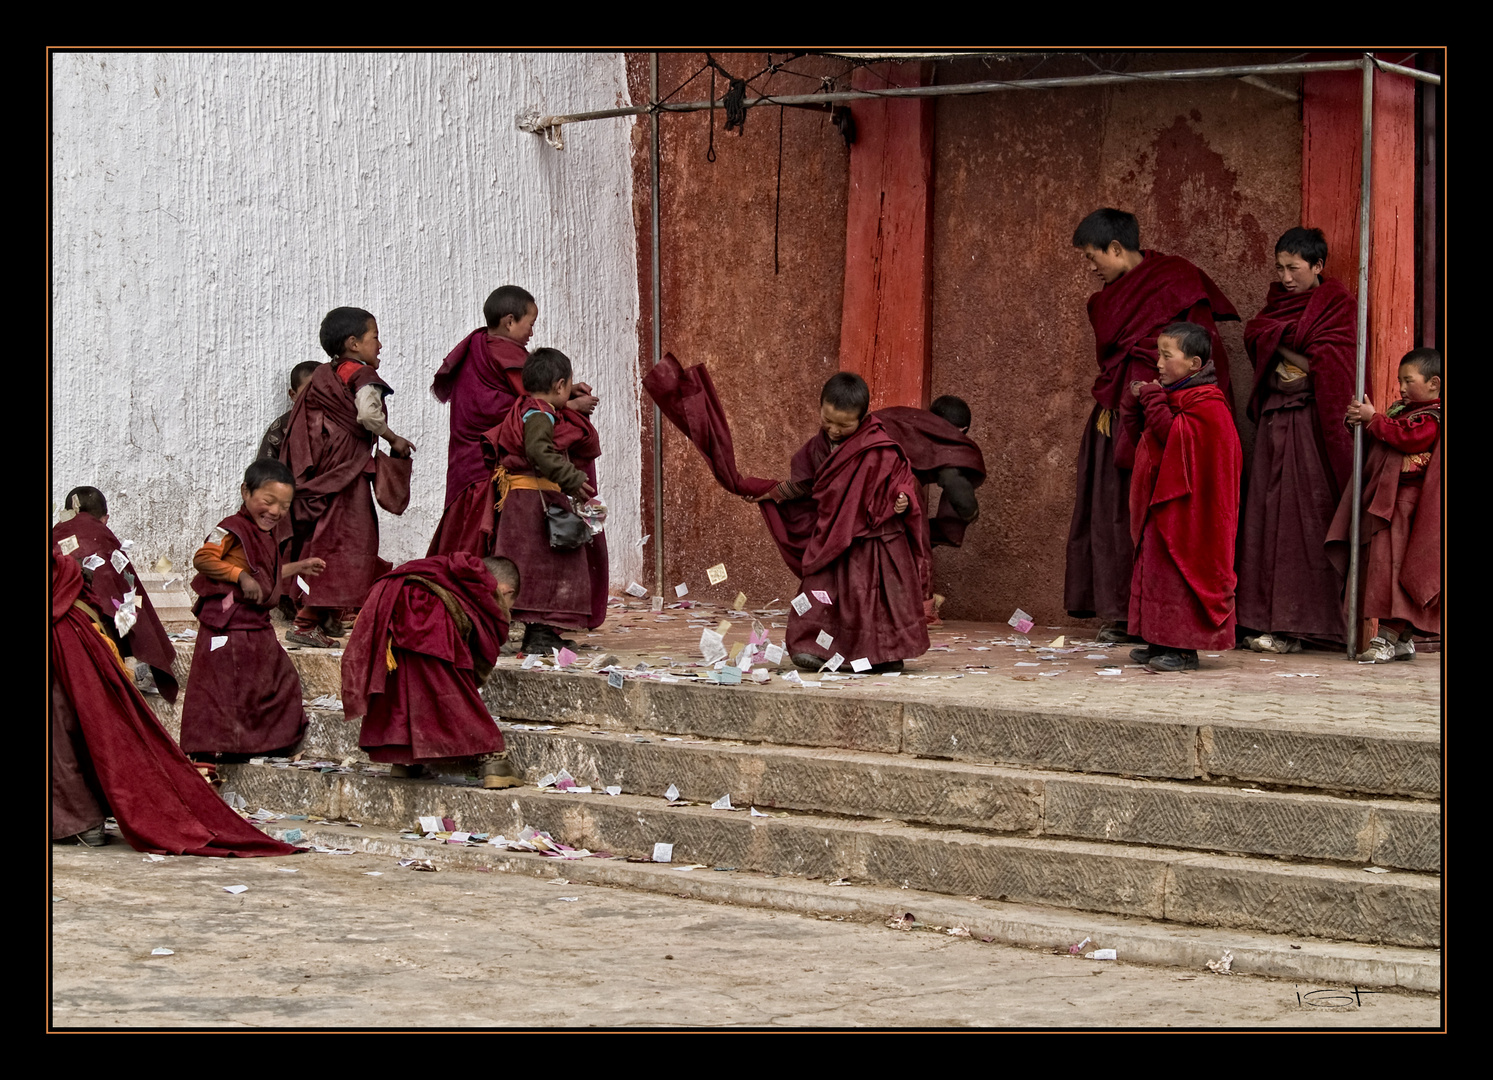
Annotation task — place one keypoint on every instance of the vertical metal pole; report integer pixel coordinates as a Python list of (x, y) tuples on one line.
[(658, 430), (1364, 199)]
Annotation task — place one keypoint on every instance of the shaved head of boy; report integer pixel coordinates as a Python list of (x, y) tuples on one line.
[(953, 409), (88, 500), (842, 405)]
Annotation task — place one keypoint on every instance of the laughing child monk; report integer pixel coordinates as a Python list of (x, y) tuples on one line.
[(1184, 505), (533, 475), (1401, 515), (243, 696), (868, 551)]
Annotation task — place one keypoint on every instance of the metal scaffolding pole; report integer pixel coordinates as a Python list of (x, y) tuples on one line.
[(1364, 193), (658, 433)]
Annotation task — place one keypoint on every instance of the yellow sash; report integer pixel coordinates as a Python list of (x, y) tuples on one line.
[(507, 481)]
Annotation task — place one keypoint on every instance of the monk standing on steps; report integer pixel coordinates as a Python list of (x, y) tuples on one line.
[(1142, 292), (425, 643)]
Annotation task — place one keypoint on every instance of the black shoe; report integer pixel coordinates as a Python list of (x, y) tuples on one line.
[(94, 837), (1175, 660), (1145, 654), (806, 662), (890, 665), (407, 772), (540, 639)]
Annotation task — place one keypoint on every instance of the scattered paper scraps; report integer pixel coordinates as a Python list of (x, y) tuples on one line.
[(761, 675), (1375, 870), (739, 604), (1074, 950), (723, 803), (903, 922), (658, 603), (326, 701), (681, 589), (663, 852), (126, 544), (791, 676), (288, 869), (833, 663), (728, 676), (716, 573), (1056, 643), (634, 589), (758, 813), (645, 539), (436, 824), (802, 603), (162, 952), (722, 627), (217, 643), (672, 794), (532, 660), (614, 680), (860, 665), (774, 654), (93, 562), (615, 789), (564, 658), (1102, 954), (290, 836), (953, 931), (1021, 621), (420, 864), (373, 873), (235, 889), (823, 598), (1096, 656), (119, 560), (154, 858), (162, 566), (691, 866), (1223, 965), (69, 544), (712, 647), (824, 640), (1108, 671)]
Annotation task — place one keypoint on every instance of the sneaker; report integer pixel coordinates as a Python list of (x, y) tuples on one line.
[(1380, 651), (1276, 643), (498, 772), (406, 772), (94, 837), (312, 638), (1175, 660), (1145, 654), (1404, 649)]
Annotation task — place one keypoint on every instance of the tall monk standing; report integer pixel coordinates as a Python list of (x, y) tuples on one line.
[(1302, 344), (335, 423), (1142, 293)]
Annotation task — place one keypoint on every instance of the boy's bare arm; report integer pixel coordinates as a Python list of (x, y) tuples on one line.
[(310, 567)]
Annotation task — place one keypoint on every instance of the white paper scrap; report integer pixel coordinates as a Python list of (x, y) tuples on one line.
[(373, 873), (217, 643), (69, 544), (860, 665), (614, 790), (532, 660), (162, 952), (235, 889), (1101, 954), (119, 561), (658, 603), (834, 662), (774, 654), (759, 813), (1375, 870), (712, 646), (723, 803), (716, 573), (801, 603), (154, 858), (824, 640), (823, 598), (681, 589), (431, 824), (301, 584), (672, 793), (634, 589), (663, 852), (93, 562)]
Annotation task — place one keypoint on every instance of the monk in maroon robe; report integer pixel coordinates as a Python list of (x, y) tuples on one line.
[(1302, 345), (243, 694), (939, 452), (110, 756), (334, 426), (425, 643), (112, 585), (1184, 506), (1400, 519), (1143, 292)]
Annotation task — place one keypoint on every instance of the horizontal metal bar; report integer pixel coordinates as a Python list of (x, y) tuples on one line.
[(539, 123)]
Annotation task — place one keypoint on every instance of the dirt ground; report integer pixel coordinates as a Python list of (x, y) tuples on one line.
[(356, 941)]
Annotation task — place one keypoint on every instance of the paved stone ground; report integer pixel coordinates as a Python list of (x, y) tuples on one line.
[(330, 946)]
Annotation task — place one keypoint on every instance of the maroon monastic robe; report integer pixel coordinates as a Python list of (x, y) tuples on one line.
[(332, 517), (1127, 314), (111, 756), (428, 707), (1184, 514), (1303, 459), (873, 563), (931, 444), (556, 586), (1400, 519), (244, 696), (147, 639)]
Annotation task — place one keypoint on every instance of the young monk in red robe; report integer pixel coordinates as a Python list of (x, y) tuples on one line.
[(110, 756), (1143, 291), (533, 475), (1400, 519), (243, 694), (481, 379), (419, 653), (1302, 345), (869, 547), (274, 435), (112, 587), (1184, 505), (329, 447)]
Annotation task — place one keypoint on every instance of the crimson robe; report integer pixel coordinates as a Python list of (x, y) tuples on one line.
[(557, 587), (429, 706), (1303, 459), (111, 756), (1400, 519), (332, 516), (147, 639), (243, 697), (931, 444), (873, 563), (1184, 514), (1127, 315)]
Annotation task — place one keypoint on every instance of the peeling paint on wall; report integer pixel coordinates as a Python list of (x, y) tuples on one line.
[(209, 209)]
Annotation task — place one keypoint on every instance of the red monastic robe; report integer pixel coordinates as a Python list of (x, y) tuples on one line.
[(1400, 520), (332, 516), (873, 563), (1303, 459), (111, 756), (428, 706), (244, 696), (1184, 514), (1127, 315), (556, 586), (147, 640), (931, 443)]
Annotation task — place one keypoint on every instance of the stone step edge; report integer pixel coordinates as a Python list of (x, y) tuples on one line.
[(1136, 940)]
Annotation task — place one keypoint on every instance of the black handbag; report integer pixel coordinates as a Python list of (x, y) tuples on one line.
[(567, 530)]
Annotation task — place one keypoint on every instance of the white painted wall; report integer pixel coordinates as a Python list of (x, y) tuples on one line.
[(209, 209)]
